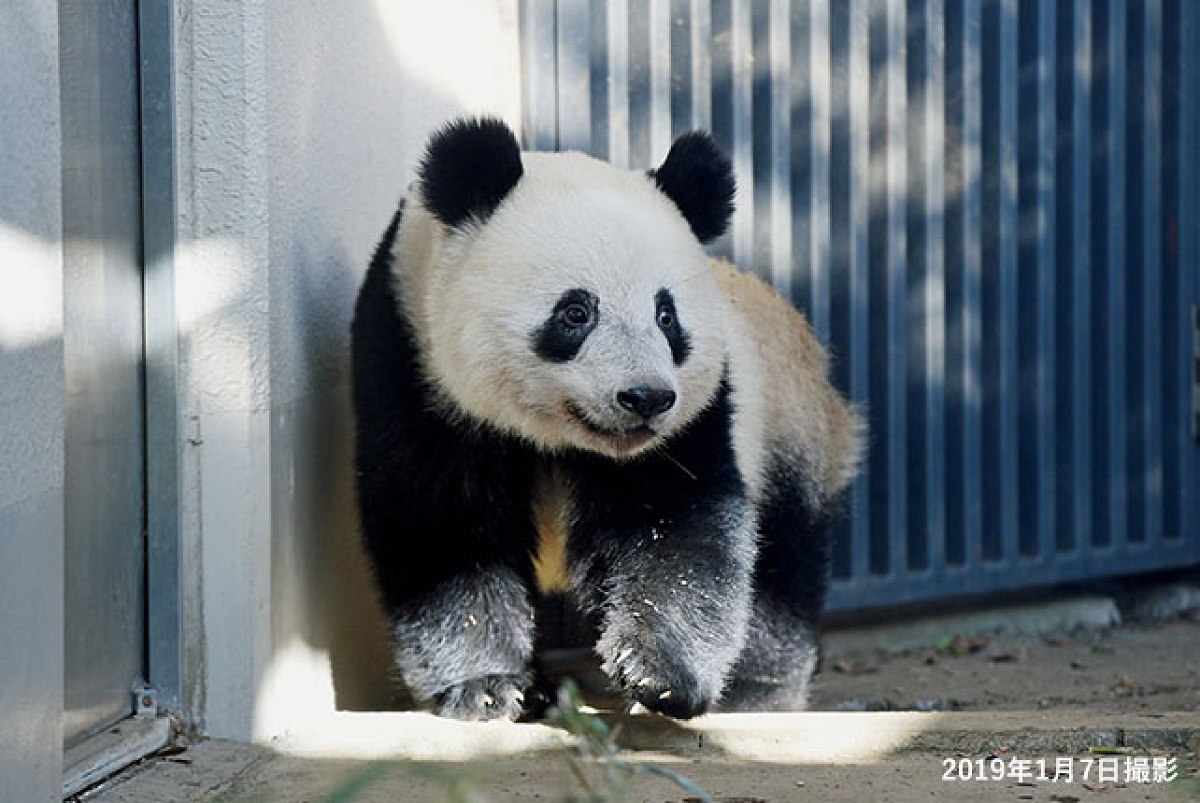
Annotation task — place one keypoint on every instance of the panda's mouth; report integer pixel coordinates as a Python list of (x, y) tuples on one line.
[(625, 439)]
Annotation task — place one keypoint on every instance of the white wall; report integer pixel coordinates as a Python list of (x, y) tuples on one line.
[(31, 405), (300, 126)]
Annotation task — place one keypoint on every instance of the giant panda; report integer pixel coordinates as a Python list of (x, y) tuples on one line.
[(557, 391)]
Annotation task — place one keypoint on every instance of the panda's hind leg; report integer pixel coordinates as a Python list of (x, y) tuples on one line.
[(775, 668)]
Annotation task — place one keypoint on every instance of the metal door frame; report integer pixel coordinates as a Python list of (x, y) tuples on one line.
[(149, 726)]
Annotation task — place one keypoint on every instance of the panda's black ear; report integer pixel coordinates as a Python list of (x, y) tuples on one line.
[(468, 169), (698, 177)]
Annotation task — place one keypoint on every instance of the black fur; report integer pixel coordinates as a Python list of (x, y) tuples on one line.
[(660, 553), (469, 167), (558, 340), (445, 516), (677, 336), (698, 177), (790, 581)]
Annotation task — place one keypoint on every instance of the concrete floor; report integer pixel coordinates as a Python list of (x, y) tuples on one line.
[(1087, 695), (734, 758)]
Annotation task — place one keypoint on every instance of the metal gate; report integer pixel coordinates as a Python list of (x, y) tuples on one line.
[(990, 213)]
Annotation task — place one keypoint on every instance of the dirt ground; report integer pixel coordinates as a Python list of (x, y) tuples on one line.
[(1138, 667)]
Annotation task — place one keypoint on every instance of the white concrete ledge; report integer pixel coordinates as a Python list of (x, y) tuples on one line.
[(800, 738)]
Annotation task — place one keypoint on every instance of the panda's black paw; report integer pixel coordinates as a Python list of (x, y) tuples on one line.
[(659, 681), (487, 697)]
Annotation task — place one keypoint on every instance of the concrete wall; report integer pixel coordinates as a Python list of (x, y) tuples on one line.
[(31, 405), (300, 126)]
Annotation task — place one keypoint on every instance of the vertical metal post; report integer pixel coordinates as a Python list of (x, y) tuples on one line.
[(161, 332)]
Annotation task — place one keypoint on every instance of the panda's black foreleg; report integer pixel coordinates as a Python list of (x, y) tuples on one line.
[(465, 644), (444, 508), (661, 551), (450, 538)]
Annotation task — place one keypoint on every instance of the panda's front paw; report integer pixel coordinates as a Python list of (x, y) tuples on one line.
[(659, 681), (487, 697)]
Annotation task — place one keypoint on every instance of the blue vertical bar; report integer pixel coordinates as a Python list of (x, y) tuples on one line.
[(764, 118), (659, 39), (973, 281), (617, 81), (887, 288), (742, 152), (600, 74), (963, 264), (1107, 191), (702, 64), (817, 188), (574, 64), (722, 105), (926, 376), (858, 275), (1065, 541), (897, 302), (1081, 306), (1036, 268), (539, 125), (1176, 329), (1135, 88), (1047, 133), (1000, 278), (682, 85), (1009, 383), (1151, 270), (934, 297), (1115, 270), (880, 381), (956, 519), (641, 96), (1046, 224), (1189, 255), (800, 86), (780, 257), (849, 160), (1108, 268)]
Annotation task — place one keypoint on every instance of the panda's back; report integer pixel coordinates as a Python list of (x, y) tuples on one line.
[(787, 410)]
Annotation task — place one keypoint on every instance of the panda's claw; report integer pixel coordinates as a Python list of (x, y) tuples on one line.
[(658, 684)]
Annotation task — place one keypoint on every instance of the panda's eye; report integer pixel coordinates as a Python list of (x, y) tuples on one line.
[(666, 317), (576, 315)]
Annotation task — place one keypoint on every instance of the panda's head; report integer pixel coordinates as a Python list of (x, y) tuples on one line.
[(568, 301)]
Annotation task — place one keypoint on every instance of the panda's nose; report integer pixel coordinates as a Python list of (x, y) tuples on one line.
[(646, 401)]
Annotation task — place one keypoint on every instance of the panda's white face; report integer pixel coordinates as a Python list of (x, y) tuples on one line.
[(582, 313)]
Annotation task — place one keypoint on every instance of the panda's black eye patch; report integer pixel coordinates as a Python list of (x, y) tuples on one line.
[(668, 321), (562, 334)]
